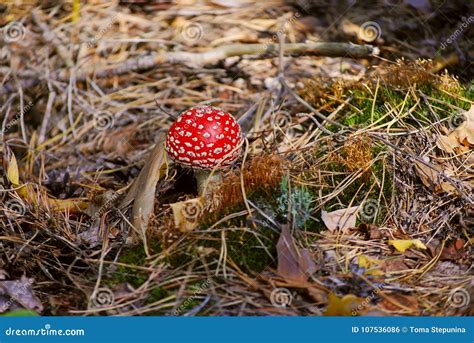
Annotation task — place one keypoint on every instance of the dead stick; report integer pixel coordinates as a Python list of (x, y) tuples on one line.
[(51, 37), (143, 63), (213, 56)]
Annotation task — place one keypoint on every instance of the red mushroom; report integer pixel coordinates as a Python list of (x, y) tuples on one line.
[(204, 138)]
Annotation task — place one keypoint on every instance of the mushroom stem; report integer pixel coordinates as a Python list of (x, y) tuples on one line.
[(206, 180)]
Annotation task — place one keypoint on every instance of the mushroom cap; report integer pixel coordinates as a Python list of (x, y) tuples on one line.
[(204, 137)]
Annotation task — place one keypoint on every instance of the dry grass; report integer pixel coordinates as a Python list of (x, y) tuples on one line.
[(87, 140)]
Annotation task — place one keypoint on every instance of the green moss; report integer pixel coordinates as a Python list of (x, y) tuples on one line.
[(362, 110), (133, 256), (156, 294)]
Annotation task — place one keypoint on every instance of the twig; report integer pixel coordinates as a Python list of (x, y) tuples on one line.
[(197, 59), (47, 116), (213, 56), (50, 37)]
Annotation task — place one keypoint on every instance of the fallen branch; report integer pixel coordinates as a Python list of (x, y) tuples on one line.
[(196, 59)]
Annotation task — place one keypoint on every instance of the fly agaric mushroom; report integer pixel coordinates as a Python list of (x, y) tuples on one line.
[(204, 138)]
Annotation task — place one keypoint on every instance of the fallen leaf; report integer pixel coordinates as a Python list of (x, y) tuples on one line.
[(462, 137), (403, 244), (465, 131), (447, 143), (454, 251), (370, 231), (340, 219), (397, 302), (348, 305), (431, 178), (20, 313), (293, 264), (12, 171), (371, 265), (142, 191), (20, 292), (394, 265)]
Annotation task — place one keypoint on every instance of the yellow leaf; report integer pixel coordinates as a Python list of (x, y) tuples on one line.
[(348, 305), (76, 8), (418, 244), (364, 261), (404, 244), (12, 172), (370, 264)]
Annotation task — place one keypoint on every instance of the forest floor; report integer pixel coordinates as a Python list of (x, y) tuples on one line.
[(353, 194)]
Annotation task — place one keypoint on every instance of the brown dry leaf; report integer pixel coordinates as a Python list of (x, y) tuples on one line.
[(431, 178), (19, 291), (394, 265), (397, 302), (462, 137), (370, 231), (118, 141), (340, 219), (465, 131), (447, 143), (454, 251), (187, 213), (142, 192), (293, 264)]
